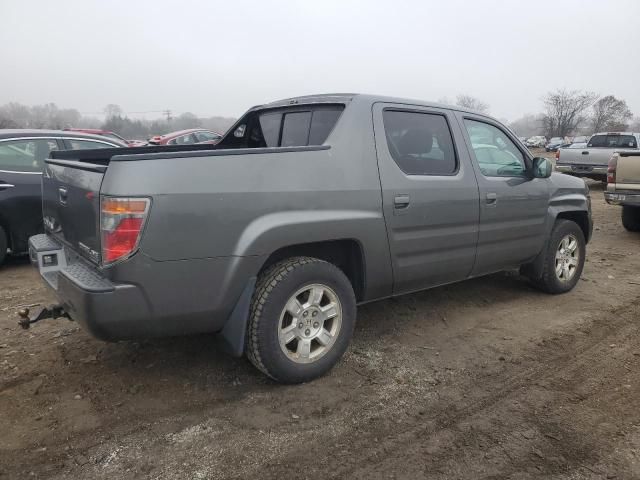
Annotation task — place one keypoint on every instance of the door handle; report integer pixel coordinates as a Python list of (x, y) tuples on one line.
[(491, 198), (4, 186), (62, 195), (401, 202), (585, 153)]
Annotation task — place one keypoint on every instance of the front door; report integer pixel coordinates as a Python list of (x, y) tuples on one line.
[(513, 204), (430, 195)]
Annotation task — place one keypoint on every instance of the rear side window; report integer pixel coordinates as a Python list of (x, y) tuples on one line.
[(25, 155), (613, 141), (420, 143)]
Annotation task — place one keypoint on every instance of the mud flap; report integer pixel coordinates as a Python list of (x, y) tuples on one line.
[(232, 337)]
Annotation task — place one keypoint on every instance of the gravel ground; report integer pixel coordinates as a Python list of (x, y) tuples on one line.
[(487, 378)]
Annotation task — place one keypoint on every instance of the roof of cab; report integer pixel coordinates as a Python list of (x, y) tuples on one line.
[(371, 98)]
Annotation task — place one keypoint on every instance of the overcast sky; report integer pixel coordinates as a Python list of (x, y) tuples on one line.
[(221, 57)]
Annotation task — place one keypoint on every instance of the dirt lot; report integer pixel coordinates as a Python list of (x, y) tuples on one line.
[(484, 379)]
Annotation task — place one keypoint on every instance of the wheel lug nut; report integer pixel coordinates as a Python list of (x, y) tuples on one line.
[(314, 314), (300, 325), (307, 332), (305, 314), (315, 324)]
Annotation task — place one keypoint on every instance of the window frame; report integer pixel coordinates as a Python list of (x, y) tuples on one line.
[(59, 141), (68, 141), (443, 114), (526, 156)]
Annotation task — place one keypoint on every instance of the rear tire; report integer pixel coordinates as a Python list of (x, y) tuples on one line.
[(301, 320), (631, 218), (3, 245), (564, 258)]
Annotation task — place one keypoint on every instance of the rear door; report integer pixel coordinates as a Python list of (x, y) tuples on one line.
[(430, 195), (513, 206), (21, 164)]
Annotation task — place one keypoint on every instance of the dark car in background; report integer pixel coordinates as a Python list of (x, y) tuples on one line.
[(186, 137), (555, 143), (22, 155)]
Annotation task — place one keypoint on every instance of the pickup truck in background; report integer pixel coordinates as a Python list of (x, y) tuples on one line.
[(593, 161), (623, 186), (305, 208)]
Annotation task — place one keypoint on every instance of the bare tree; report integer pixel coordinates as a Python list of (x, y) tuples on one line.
[(472, 103), (565, 110), (635, 124), (610, 113), (112, 110)]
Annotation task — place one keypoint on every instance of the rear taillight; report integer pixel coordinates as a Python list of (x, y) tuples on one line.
[(121, 224), (611, 169), (557, 155)]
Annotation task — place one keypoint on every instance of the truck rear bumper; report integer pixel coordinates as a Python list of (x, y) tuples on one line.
[(622, 198), (155, 300), (108, 311), (582, 170)]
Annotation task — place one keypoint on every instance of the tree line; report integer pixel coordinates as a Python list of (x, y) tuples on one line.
[(50, 116), (566, 112), (575, 112)]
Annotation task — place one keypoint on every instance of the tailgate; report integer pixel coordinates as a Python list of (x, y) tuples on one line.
[(71, 204), (585, 156), (628, 169)]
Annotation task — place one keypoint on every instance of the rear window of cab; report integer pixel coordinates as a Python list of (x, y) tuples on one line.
[(298, 126), (613, 141)]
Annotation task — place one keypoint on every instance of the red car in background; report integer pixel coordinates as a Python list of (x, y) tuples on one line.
[(186, 137), (107, 133)]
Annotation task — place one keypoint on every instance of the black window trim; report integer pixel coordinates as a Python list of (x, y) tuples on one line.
[(527, 157), (441, 113)]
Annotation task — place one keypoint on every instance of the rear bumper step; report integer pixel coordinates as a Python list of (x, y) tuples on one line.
[(581, 169), (108, 311), (615, 198)]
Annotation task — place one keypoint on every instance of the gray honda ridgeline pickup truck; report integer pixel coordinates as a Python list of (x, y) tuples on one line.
[(306, 208)]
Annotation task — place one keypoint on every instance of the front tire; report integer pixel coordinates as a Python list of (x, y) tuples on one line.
[(631, 218), (3, 245), (564, 258), (301, 321)]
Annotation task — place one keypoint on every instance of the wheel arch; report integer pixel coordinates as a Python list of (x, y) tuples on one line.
[(346, 253)]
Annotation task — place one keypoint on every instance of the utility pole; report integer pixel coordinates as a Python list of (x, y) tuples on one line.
[(167, 113)]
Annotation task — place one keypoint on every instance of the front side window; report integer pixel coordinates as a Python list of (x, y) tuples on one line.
[(496, 154), (420, 143), (87, 145), (25, 155)]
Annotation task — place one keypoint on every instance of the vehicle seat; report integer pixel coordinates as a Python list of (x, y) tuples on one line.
[(412, 146)]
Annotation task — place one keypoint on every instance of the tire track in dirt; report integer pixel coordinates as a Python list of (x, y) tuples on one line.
[(568, 349)]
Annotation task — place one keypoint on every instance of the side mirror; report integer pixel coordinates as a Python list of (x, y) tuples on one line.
[(542, 167)]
